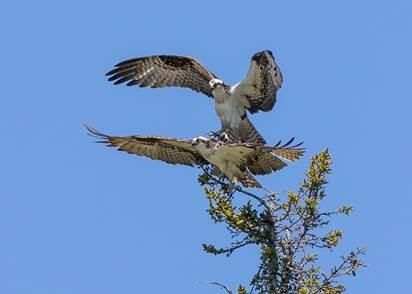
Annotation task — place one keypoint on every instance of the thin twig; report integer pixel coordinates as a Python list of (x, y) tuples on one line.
[(238, 189), (221, 286), (337, 271), (230, 250), (259, 199)]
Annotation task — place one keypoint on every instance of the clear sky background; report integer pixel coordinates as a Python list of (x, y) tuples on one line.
[(77, 217)]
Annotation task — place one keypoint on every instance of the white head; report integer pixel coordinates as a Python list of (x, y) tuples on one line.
[(224, 137), (215, 83), (200, 141)]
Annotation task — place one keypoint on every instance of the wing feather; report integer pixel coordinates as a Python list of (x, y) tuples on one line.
[(265, 159), (262, 81), (169, 150), (262, 162), (289, 152), (159, 71)]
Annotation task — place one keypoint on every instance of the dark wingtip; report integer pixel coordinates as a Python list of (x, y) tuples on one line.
[(132, 83), (129, 61), (123, 63), (288, 143), (297, 145), (122, 80), (268, 51), (261, 54), (111, 79), (95, 133), (111, 72), (279, 145)]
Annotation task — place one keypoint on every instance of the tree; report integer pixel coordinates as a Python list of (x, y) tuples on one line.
[(288, 232)]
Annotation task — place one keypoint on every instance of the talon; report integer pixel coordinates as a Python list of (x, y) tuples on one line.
[(219, 136), (215, 135)]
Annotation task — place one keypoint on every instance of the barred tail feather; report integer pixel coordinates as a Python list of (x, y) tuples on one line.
[(248, 180), (245, 133)]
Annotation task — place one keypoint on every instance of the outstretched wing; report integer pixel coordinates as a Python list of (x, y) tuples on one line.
[(264, 159), (160, 71), (172, 151), (289, 151), (261, 83), (262, 162)]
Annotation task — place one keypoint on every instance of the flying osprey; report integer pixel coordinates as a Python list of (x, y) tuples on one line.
[(237, 161), (256, 92)]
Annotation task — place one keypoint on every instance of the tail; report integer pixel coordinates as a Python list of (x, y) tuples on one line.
[(248, 180), (245, 133), (287, 151)]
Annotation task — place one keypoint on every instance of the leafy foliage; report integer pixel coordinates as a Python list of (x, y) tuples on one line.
[(288, 232)]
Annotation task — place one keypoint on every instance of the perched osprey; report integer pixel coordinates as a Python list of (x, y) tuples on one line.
[(256, 92), (237, 161)]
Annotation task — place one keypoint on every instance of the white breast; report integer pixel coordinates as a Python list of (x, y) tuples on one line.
[(228, 108), (219, 157), (227, 158)]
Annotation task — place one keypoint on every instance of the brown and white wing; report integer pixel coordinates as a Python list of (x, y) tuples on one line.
[(172, 151), (265, 160), (289, 151), (160, 71), (261, 83), (262, 162)]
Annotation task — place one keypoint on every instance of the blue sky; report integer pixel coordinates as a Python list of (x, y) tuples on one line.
[(76, 217)]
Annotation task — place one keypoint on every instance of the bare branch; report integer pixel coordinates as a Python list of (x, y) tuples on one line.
[(222, 287)]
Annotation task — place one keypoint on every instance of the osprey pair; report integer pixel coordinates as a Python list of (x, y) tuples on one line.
[(256, 92), (238, 150)]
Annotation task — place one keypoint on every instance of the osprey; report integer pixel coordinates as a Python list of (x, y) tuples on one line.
[(237, 161), (256, 92)]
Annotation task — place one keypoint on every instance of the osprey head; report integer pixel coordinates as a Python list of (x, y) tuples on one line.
[(224, 137), (215, 83), (200, 140)]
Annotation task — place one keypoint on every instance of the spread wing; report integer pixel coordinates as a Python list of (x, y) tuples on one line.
[(261, 83), (160, 71), (289, 151), (265, 160), (172, 151), (262, 162)]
